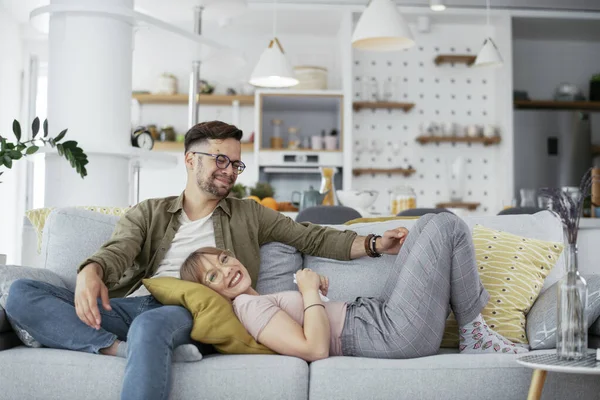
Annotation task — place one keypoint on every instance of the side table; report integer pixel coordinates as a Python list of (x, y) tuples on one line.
[(542, 363)]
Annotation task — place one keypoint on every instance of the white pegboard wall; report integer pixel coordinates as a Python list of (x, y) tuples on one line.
[(442, 94)]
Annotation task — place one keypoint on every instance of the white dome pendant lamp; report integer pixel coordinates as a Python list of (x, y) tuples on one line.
[(273, 69), (382, 28), (489, 55)]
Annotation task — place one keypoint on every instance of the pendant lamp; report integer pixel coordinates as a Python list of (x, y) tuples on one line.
[(382, 28), (489, 55)]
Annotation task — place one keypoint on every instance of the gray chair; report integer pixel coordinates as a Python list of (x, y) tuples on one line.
[(327, 215), (520, 210), (417, 212)]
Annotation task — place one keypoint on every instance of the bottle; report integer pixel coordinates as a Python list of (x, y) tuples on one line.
[(401, 199), (293, 138), (276, 139)]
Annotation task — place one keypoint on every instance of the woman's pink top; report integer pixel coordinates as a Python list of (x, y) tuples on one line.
[(255, 312)]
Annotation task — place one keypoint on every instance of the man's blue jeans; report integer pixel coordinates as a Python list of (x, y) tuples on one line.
[(151, 330)]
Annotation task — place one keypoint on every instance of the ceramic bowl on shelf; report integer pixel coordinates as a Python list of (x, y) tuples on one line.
[(360, 200)]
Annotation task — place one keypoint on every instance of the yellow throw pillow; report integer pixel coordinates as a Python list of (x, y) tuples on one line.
[(214, 320), (512, 269), (38, 217)]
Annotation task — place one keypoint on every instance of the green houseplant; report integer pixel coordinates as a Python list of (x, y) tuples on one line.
[(11, 151)]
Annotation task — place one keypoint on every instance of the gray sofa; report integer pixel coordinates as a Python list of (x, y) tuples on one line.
[(70, 235)]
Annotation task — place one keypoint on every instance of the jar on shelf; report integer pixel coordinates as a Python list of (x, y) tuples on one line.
[(293, 138), (401, 199), (276, 138)]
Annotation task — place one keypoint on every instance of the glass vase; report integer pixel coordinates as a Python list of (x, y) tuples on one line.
[(571, 329)]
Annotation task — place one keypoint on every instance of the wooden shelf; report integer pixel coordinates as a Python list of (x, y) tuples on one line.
[(402, 171), (458, 204), (208, 99), (302, 150), (178, 146), (557, 105), (459, 139), (359, 105), (454, 58)]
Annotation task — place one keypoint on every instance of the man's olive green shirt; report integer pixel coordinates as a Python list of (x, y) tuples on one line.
[(144, 234)]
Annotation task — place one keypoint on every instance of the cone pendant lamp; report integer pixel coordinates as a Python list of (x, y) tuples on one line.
[(273, 69), (382, 28), (489, 55)]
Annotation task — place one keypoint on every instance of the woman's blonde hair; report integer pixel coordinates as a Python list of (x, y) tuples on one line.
[(191, 267)]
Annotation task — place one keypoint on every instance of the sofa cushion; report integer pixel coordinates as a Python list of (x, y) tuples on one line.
[(278, 263), (71, 375), (70, 236), (541, 320), (9, 274), (214, 319), (512, 269), (445, 376), (4, 325)]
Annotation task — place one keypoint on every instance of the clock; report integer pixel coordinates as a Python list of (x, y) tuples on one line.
[(142, 138)]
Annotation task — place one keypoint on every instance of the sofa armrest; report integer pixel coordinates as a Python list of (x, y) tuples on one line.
[(4, 324)]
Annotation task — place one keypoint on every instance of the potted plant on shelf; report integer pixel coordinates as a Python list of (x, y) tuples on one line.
[(11, 151)]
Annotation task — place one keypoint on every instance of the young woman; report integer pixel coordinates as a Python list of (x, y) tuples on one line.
[(434, 269)]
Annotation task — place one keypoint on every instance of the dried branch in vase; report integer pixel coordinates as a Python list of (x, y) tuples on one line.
[(568, 209)]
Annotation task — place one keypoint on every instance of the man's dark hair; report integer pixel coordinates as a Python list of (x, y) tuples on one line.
[(211, 130)]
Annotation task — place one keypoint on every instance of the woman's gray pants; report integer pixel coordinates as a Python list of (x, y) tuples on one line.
[(435, 270)]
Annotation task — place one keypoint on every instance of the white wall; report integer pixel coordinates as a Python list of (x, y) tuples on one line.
[(12, 189)]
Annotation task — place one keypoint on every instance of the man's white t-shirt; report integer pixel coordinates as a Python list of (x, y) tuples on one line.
[(191, 236)]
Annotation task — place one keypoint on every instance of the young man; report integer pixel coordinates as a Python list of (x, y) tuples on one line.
[(153, 239)]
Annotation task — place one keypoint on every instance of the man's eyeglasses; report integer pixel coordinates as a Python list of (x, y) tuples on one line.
[(223, 162)]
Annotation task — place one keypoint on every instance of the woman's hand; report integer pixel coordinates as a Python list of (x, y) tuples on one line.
[(324, 286), (308, 280), (392, 241)]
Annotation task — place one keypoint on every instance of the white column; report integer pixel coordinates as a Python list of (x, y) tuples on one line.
[(89, 92)]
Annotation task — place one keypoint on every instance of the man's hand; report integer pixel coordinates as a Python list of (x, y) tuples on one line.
[(391, 241), (88, 289)]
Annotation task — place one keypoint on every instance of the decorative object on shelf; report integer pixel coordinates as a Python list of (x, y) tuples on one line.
[(293, 138), (238, 191), (369, 91), (489, 55), (529, 197), (276, 139), (595, 88), (473, 131), (231, 92), (273, 69), (310, 77), (520, 95), (360, 200), (437, 5), (167, 84), (153, 131), (316, 142), (572, 339), (308, 198), (568, 92), (359, 105), (402, 198), (327, 186), (456, 179), (382, 28), (331, 141), (402, 171), (205, 87), (459, 139), (454, 59), (142, 138), (167, 134), (270, 202), (490, 131), (458, 204), (14, 151), (262, 190), (450, 129)]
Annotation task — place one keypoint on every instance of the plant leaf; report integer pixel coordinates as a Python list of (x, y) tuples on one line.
[(17, 129), (7, 161), (60, 136), (32, 149), (45, 127), (70, 144), (21, 147), (51, 141), (59, 147), (2, 144), (35, 127), (15, 155), (10, 146)]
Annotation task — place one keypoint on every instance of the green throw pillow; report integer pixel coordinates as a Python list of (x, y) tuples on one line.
[(214, 320)]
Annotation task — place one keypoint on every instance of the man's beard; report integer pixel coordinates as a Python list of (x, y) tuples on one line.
[(209, 185)]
